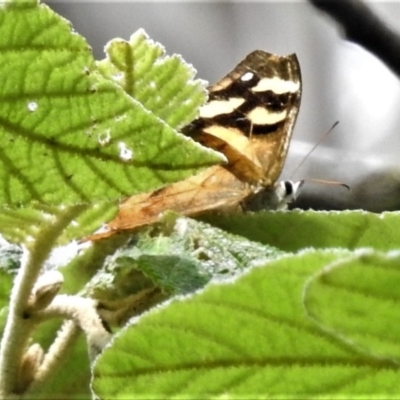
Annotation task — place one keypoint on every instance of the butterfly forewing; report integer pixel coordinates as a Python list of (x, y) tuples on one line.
[(252, 111)]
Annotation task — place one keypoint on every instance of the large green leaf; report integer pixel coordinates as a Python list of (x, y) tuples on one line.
[(163, 84), (18, 224), (251, 339), (69, 134), (291, 231), (357, 300)]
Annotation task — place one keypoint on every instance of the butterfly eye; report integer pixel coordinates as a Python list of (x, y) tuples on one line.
[(288, 187)]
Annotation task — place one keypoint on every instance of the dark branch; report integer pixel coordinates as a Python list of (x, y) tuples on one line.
[(363, 27)]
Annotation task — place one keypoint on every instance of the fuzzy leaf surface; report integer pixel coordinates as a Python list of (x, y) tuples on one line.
[(68, 134), (251, 339), (163, 84), (319, 229), (357, 300)]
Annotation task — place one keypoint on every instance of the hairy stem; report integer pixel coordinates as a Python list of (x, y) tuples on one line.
[(58, 351), (83, 314), (18, 327)]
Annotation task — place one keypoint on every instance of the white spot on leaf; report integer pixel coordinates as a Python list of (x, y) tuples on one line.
[(104, 138), (118, 77), (125, 154), (120, 117), (32, 106), (181, 227)]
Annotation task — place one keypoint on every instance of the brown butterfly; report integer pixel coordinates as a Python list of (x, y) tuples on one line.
[(249, 117)]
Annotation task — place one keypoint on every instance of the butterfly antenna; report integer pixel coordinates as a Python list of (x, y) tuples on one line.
[(325, 182), (323, 137)]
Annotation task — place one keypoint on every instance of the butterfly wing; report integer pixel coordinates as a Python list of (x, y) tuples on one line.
[(214, 188), (250, 115), (249, 118)]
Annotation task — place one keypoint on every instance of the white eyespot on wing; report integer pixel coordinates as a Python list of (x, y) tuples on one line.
[(277, 85), (219, 107), (248, 76), (262, 116)]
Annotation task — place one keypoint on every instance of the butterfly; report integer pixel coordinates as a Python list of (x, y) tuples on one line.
[(249, 117)]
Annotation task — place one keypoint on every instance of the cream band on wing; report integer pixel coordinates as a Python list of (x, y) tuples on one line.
[(236, 140), (218, 107), (262, 116), (277, 85), (233, 136)]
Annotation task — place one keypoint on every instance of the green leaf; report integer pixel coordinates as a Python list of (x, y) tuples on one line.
[(348, 229), (358, 300), (176, 257), (68, 134), (251, 339), (6, 281), (10, 261), (205, 251), (163, 84), (17, 224)]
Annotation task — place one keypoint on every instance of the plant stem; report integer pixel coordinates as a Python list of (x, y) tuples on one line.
[(363, 26), (17, 329), (59, 349)]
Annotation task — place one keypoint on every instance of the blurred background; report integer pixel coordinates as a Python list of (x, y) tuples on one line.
[(341, 81)]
